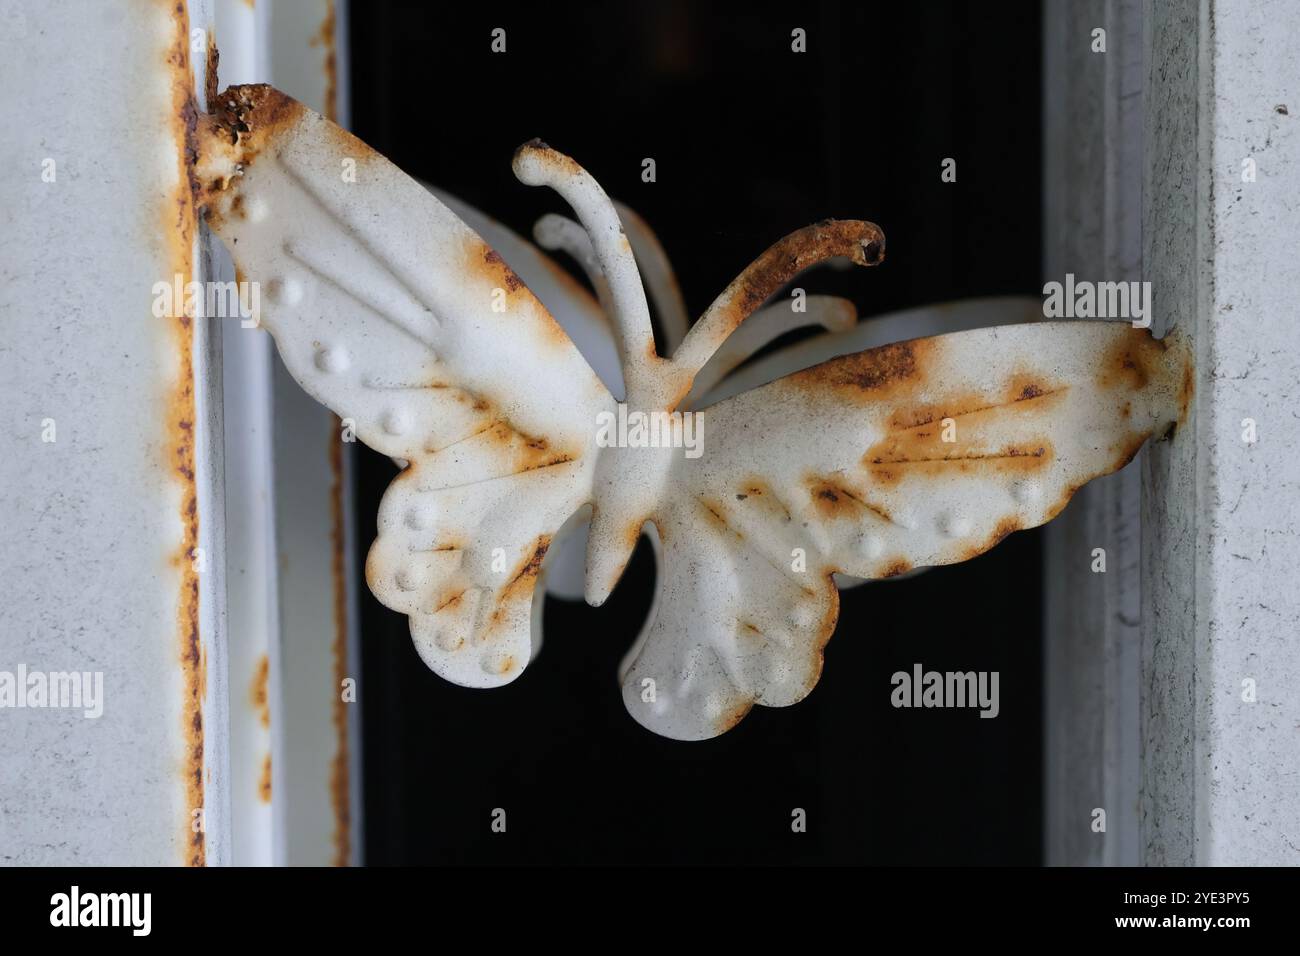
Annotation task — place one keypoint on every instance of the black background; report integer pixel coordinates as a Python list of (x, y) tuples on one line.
[(751, 141)]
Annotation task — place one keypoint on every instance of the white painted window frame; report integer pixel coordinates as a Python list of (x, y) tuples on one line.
[(1149, 667), (108, 568)]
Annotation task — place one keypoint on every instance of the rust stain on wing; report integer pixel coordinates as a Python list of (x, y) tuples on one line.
[(1023, 395), (241, 122), (757, 491), (870, 376), (1132, 361), (528, 452), (500, 283), (520, 587), (890, 462), (1026, 386), (451, 602), (716, 515), (893, 568), (834, 500), (505, 665), (497, 272), (1004, 527), (916, 447), (524, 578)]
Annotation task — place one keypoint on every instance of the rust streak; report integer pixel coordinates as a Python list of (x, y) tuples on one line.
[(259, 693), (715, 512), (832, 500), (871, 375), (325, 37), (1018, 391), (340, 793), (264, 782), (1032, 458), (178, 226), (1004, 527), (452, 601), (484, 264), (758, 488), (1132, 361), (525, 575), (1186, 391), (512, 281), (210, 83), (521, 585), (894, 568), (1031, 451)]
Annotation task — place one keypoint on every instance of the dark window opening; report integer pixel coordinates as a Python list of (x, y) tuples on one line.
[(750, 141)]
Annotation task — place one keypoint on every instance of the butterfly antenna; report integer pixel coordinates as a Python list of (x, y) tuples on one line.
[(560, 234), (862, 242), (657, 274), (536, 164)]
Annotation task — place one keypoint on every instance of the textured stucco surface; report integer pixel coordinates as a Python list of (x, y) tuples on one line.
[(91, 576), (1221, 776)]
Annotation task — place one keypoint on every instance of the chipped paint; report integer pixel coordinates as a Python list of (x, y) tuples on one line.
[(240, 122)]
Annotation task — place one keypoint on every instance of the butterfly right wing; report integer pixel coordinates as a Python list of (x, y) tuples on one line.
[(391, 311), (913, 454)]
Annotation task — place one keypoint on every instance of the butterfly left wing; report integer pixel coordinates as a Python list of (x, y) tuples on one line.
[(387, 308), (914, 454)]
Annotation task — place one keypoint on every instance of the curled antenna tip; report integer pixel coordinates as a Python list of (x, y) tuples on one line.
[(872, 250), (868, 248), (537, 164), (860, 241)]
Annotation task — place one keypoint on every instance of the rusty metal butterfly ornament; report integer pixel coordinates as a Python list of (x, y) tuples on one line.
[(388, 308)]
